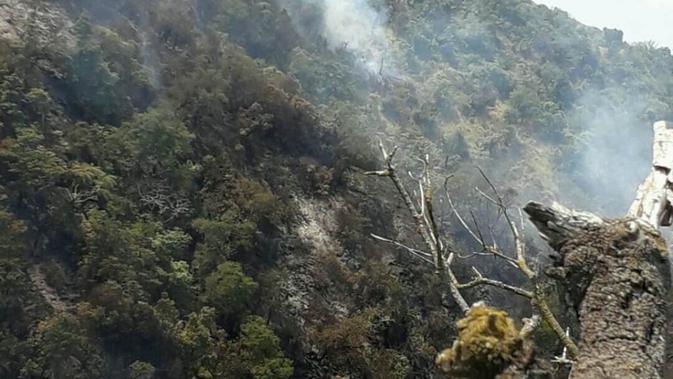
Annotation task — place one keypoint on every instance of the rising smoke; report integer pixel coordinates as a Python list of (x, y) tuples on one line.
[(613, 153), (355, 26)]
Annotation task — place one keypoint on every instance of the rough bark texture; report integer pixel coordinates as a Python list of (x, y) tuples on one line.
[(616, 276)]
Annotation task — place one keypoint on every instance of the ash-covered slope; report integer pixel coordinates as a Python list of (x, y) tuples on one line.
[(182, 179)]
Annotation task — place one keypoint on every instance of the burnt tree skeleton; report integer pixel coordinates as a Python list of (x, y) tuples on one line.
[(615, 273), (441, 254), (537, 296)]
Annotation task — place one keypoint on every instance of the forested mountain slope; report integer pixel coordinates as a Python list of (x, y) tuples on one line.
[(181, 183)]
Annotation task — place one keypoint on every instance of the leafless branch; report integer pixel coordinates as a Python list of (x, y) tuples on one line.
[(79, 197), (423, 219), (486, 248), (485, 196), (519, 243), (422, 255), (441, 255), (481, 280), (536, 296), (160, 199)]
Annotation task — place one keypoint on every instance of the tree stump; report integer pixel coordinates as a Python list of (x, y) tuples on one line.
[(616, 277)]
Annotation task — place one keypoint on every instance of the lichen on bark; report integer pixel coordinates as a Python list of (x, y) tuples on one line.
[(616, 277)]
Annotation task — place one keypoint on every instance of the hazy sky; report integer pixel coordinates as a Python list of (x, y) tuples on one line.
[(641, 20)]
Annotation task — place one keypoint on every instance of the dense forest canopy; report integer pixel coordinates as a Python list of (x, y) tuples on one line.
[(181, 188)]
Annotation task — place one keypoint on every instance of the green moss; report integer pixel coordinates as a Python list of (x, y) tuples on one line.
[(487, 342)]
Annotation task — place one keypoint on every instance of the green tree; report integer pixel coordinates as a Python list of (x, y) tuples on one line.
[(40, 103), (12, 235), (63, 350), (12, 96), (221, 238), (229, 290), (95, 88), (151, 143), (258, 353), (201, 343)]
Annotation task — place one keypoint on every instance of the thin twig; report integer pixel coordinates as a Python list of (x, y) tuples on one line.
[(423, 224), (485, 196), (481, 280), (417, 253)]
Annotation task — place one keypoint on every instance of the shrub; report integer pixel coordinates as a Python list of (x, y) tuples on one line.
[(229, 290)]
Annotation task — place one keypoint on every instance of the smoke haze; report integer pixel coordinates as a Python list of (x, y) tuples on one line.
[(355, 26), (615, 154)]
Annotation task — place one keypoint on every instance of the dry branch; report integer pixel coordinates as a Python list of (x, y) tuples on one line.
[(424, 220), (481, 280), (422, 255), (440, 254), (537, 296)]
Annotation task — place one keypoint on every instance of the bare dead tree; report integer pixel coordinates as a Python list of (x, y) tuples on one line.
[(615, 273), (440, 253), (519, 260), (159, 199), (79, 197)]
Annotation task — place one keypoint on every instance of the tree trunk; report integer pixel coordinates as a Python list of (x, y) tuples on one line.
[(654, 199), (616, 276)]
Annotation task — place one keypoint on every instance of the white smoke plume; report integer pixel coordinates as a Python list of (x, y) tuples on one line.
[(357, 27), (614, 149), (615, 154)]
